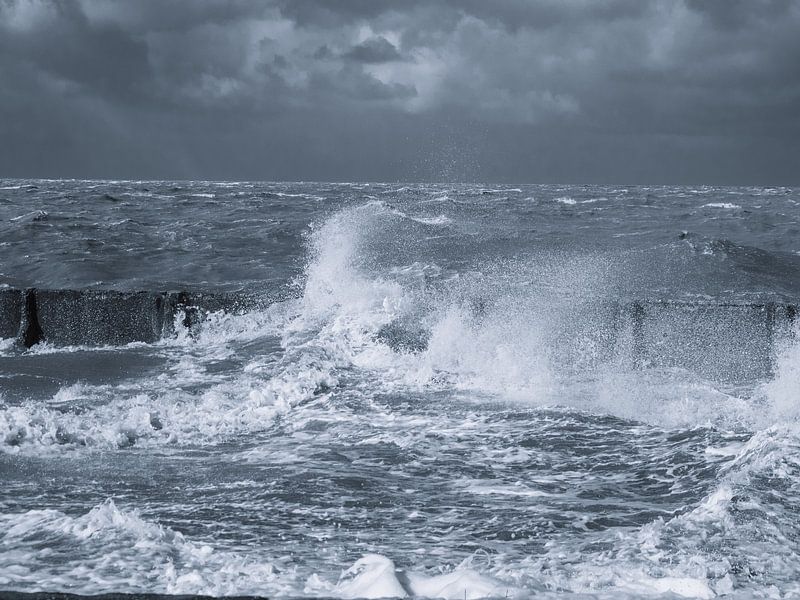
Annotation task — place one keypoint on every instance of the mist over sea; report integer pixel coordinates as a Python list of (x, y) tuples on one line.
[(450, 391)]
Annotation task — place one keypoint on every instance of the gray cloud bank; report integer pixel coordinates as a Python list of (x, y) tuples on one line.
[(665, 91)]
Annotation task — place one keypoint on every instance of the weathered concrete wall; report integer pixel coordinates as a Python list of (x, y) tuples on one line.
[(69, 317), (722, 341), (10, 312), (101, 317)]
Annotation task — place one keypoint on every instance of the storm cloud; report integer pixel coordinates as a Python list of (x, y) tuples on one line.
[(669, 91)]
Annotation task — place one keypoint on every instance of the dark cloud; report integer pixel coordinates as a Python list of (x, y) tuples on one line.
[(577, 90), (64, 46), (326, 14), (374, 50), (736, 14)]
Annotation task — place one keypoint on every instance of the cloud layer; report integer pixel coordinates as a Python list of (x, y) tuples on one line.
[(516, 90)]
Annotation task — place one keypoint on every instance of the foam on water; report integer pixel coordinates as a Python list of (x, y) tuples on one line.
[(777, 400), (725, 205), (186, 404), (110, 548), (376, 576), (440, 220)]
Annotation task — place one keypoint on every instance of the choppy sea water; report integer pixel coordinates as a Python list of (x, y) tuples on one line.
[(444, 400)]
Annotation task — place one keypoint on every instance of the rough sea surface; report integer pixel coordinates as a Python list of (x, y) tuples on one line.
[(447, 399)]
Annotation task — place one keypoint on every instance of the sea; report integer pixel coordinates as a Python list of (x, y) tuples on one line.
[(449, 391)]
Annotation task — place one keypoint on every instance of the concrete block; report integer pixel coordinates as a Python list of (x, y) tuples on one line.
[(10, 312), (95, 317)]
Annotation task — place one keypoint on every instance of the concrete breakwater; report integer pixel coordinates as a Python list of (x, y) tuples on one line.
[(722, 340), (103, 317)]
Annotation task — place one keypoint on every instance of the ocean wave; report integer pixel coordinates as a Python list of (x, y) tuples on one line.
[(737, 540), (375, 576), (438, 221), (113, 550), (502, 332), (314, 197), (724, 205), (117, 417), (31, 217)]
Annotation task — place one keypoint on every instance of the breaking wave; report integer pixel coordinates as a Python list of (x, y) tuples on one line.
[(542, 330)]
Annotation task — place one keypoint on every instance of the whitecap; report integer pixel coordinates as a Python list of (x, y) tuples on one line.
[(376, 576), (723, 205), (124, 553), (441, 220)]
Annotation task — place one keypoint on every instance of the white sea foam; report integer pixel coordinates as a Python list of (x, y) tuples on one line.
[(113, 550), (376, 576), (110, 549), (724, 205), (489, 488), (157, 410), (35, 215), (304, 196), (440, 220), (778, 399)]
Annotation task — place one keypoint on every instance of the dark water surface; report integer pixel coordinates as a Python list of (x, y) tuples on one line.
[(456, 399)]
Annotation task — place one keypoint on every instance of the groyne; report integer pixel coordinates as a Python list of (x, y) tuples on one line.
[(105, 317), (721, 340), (732, 341)]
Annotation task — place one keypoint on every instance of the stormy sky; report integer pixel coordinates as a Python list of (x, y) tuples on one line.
[(580, 91)]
